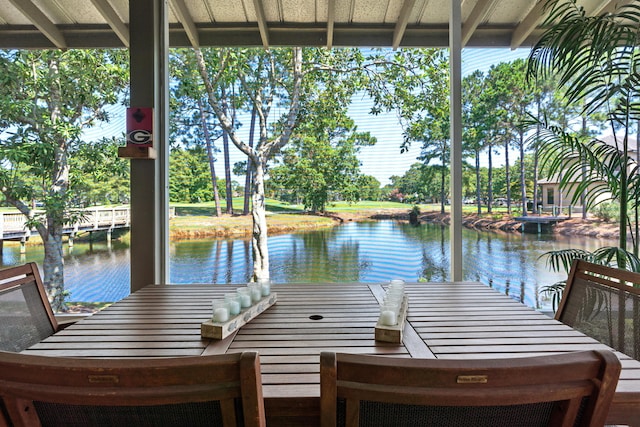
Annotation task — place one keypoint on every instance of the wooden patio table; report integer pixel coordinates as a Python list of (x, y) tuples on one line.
[(462, 320)]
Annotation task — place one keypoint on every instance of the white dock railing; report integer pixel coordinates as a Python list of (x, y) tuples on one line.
[(13, 224)]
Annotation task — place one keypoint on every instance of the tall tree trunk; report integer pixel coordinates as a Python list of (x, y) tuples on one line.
[(478, 199), (249, 178), (259, 241), (636, 213), (624, 198), (583, 196), (212, 168), (535, 180), (523, 186), (53, 264), (443, 195), (227, 171), (507, 174), (535, 161), (490, 181), (51, 234)]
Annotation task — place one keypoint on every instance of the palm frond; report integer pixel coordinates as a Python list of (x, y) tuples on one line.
[(587, 53), (555, 291), (561, 260), (614, 256)]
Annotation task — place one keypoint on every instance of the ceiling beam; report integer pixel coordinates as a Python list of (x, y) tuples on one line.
[(401, 23), (331, 17), (41, 22), (604, 5), (262, 23), (527, 25), (109, 14), (610, 6), (183, 15), (478, 14)]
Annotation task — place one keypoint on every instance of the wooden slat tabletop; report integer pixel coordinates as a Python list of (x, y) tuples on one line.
[(445, 320)]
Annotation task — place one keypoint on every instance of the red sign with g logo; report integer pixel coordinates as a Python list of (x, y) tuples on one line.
[(140, 126)]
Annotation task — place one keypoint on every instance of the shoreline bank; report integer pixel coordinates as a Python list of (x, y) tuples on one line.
[(281, 224), (571, 227), (237, 226)]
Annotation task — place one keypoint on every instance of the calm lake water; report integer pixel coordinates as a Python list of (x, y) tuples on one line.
[(355, 252)]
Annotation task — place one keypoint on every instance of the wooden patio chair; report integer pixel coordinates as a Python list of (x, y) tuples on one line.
[(554, 390), (219, 390), (26, 317), (3, 415), (603, 303)]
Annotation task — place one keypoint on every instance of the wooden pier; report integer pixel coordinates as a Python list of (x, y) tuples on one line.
[(13, 224), (539, 224)]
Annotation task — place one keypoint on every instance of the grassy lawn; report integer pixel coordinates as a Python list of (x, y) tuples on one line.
[(201, 226), (199, 220), (209, 208)]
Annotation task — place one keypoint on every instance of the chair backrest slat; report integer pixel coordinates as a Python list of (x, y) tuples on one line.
[(567, 389), (223, 390), (26, 317), (603, 303)]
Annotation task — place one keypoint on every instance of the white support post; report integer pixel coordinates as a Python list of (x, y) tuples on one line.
[(162, 147), (149, 188), (455, 112)]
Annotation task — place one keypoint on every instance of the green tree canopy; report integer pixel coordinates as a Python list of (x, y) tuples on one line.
[(321, 160), (189, 181), (98, 176)]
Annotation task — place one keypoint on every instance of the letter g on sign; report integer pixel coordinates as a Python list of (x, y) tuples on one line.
[(139, 136)]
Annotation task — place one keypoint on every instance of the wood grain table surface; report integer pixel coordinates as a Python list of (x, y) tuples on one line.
[(462, 320)]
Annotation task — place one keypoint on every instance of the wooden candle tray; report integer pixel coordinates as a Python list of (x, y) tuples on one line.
[(393, 333), (218, 331)]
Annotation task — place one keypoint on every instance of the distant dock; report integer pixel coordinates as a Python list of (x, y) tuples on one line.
[(539, 224), (13, 225)]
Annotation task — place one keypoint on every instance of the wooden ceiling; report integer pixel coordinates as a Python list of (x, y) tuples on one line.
[(385, 23)]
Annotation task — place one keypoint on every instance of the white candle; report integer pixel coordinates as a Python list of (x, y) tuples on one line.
[(234, 307), (394, 299), (388, 317), (245, 297), (220, 315), (396, 285), (220, 311), (233, 303), (256, 292), (265, 287)]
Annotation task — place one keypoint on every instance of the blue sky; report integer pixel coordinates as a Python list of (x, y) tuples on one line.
[(383, 159)]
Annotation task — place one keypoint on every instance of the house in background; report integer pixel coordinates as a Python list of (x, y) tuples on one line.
[(557, 202)]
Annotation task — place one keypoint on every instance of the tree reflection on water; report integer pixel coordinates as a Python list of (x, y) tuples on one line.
[(373, 251)]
